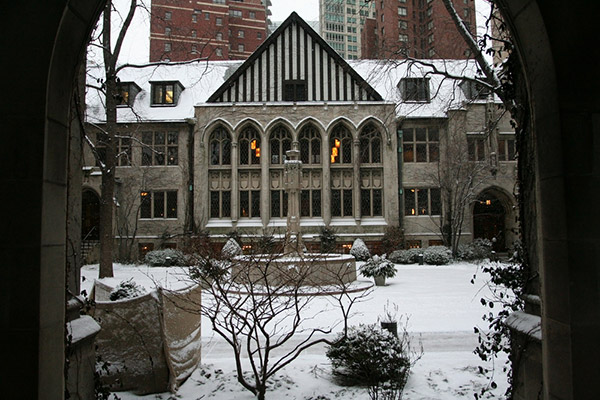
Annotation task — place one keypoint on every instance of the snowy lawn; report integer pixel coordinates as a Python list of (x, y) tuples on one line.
[(442, 306)]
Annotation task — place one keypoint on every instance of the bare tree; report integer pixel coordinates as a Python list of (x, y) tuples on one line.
[(105, 146), (263, 308)]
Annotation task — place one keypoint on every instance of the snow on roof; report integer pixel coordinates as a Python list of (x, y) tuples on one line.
[(201, 79)]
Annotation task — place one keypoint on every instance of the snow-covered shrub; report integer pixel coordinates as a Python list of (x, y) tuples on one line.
[(371, 356), (479, 249), (378, 266), (410, 256), (437, 255), (360, 251), (231, 249), (165, 258), (126, 290), (327, 238)]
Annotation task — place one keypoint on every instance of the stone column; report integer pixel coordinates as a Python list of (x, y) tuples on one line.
[(326, 185), (356, 182), (293, 186), (235, 198)]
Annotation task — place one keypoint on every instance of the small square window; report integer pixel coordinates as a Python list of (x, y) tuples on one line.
[(219, 52), (252, 15), (241, 33), (167, 46), (241, 47), (219, 21), (168, 15), (165, 93), (167, 31)]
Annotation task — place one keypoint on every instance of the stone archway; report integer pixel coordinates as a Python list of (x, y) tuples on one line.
[(489, 217), (90, 215)]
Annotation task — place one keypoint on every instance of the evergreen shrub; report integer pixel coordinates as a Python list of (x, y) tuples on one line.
[(165, 258), (360, 251)]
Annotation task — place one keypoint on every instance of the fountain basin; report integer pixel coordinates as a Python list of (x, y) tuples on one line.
[(308, 269)]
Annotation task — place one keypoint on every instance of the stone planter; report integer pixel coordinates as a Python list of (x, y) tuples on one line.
[(379, 280)]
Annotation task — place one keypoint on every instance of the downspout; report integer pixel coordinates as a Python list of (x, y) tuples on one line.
[(190, 225)]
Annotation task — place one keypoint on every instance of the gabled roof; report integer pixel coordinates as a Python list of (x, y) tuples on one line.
[(294, 52)]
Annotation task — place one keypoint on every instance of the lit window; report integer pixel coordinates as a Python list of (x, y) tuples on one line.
[(127, 92), (158, 204), (194, 33), (194, 18), (414, 89), (165, 93), (419, 201), (241, 34)]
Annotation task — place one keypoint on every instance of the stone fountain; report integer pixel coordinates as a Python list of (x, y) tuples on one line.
[(294, 265)]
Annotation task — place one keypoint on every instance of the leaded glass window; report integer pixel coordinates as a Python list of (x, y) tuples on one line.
[(341, 193), (310, 145), (281, 141), (220, 147), (220, 194), (160, 148), (310, 196), (158, 204), (370, 145), (249, 147), (340, 146), (249, 194), (371, 191), (279, 199)]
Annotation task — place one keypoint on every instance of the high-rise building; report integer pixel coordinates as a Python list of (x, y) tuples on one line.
[(215, 29), (342, 22), (416, 28)]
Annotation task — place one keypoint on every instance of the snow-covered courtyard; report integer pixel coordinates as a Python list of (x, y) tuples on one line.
[(440, 302)]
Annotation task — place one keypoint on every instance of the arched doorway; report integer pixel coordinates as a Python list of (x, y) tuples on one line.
[(489, 216), (90, 215)]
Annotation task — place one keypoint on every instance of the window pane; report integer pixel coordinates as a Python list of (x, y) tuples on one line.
[(145, 205), (226, 158), (364, 150), (347, 195), (421, 134), (408, 135), (375, 150), (480, 150), (255, 203), (159, 156), (511, 149), (159, 138), (436, 202), (172, 156), (304, 151), (316, 203), (471, 145), (275, 152), (169, 94), (285, 204), (316, 151), (422, 201), (244, 152), (147, 138), (305, 203), (365, 202), (214, 204), (226, 204), (421, 152), (146, 156), (409, 202), (501, 150), (347, 151), (434, 152), (172, 204), (434, 135), (408, 153), (214, 152), (377, 202), (336, 203), (244, 204), (172, 138), (159, 204), (275, 204)]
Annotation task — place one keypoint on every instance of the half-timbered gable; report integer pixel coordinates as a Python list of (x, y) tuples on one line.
[(294, 64)]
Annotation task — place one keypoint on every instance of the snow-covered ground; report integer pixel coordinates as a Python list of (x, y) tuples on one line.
[(442, 306)]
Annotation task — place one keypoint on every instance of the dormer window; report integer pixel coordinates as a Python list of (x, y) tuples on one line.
[(414, 89), (294, 90), (127, 92), (166, 93), (474, 90)]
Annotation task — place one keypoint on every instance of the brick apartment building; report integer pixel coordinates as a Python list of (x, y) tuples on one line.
[(217, 29), (416, 28)]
